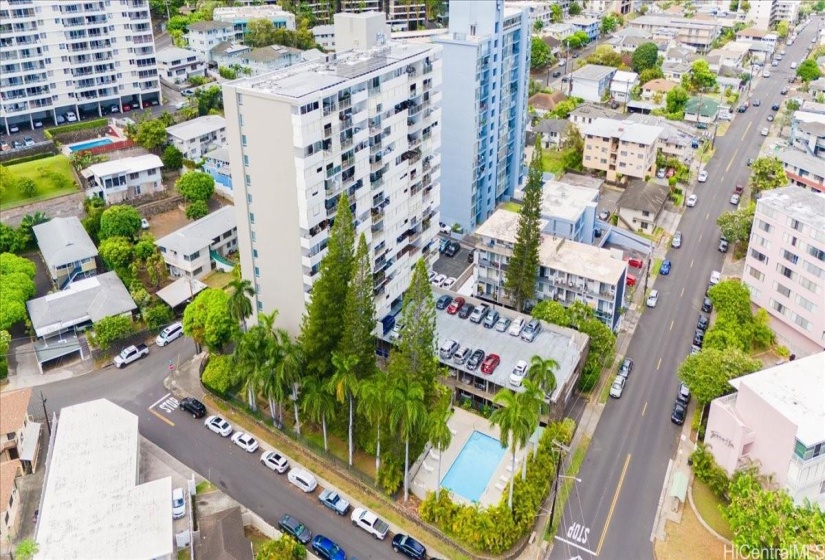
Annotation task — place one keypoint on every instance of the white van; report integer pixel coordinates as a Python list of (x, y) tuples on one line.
[(302, 479), (170, 333)]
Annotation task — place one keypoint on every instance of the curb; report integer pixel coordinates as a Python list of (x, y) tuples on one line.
[(702, 521)]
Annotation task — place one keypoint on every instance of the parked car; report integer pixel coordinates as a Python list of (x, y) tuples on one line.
[(455, 306), (635, 262), (630, 280), (502, 324), (784, 90), (448, 282), (775, 106), (275, 461), (370, 522), (169, 334), (479, 313), (734, 199), (679, 413), (443, 302), (491, 319), (519, 373), (707, 305), (723, 246), (676, 242), (691, 201), (462, 354), (516, 327), (664, 269), (193, 406), (334, 501), (739, 188), (490, 363), (444, 228), (653, 298), (475, 359), (327, 549), (715, 277), (703, 176), (178, 503), (466, 310), (245, 441), (452, 249), (28, 141), (556, 73), (617, 388), (71, 117), (130, 354), (409, 547), (531, 330), (395, 333), (625, 368), (291, 526), (698, 338), (114, 109), (302, 479), (683, 394), (660, 174), (218, 425), (750, 161), (448, 348), (764, 131), (438, 279), (702, 323)]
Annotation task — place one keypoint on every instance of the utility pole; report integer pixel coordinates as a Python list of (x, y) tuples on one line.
[(565, 449), (43, 401)]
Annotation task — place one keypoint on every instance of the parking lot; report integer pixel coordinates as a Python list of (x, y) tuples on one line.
[(452, 267)]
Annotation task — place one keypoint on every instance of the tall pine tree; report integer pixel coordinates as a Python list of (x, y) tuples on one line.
[(359, 314), (520, 282), (323, 325)]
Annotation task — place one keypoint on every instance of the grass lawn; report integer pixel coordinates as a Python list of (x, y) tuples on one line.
[(46, 187), (511, 206), (566, 484), (218, 279), (688, 540), (708, 506), (203, 487), (553, 162), (183, 554)]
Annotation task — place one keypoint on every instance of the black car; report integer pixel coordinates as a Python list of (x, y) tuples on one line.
[(557, 73), (679, 413), (775, 106), (452, 249), (707, 305), (698, 338), (409, 547), (292, 526), (193, 406), (742, 108), (475, 359), (750, 161), (443, 302), (626, 368), (707, 290), (702, 325), (466, 310)]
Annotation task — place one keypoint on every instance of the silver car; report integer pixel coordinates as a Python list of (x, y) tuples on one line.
[(617, 388), (676, 242)]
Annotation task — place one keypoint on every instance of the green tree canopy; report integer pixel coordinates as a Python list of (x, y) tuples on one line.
[(111, 329), (732, 297), (196, 185), (556, 14), (605, 55), (644, 57), (574, 8), (675, 100), (649, 74), (808, 71), (782, 29), (196, 210), (284, 548), (540, 55), (16, 287), (707, 373), (563, 108), (207, 319), (576, 40), (210, 100), (699, 77), (736, 225), (172, 158), (119, 221), (359, 313), (552, 312), (116, 252), (259, 33), (150, 133), (767, 173), (609, 23)]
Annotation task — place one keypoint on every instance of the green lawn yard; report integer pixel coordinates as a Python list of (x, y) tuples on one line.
[(53, 176)]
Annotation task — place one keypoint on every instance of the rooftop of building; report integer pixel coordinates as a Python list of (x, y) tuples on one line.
[(245, 12), (643, 196), (564, 201), (271, 53), (9, 470), (229, 48), (196, 128), (546, 101), (660, 84), (91, 505), (583, 20), (625, 77), (702, 105), (623, 130), (795, 389), (173, 54), (752, 32), (593, 111), (802, 160), (14, 406), (200, 233), (803, 205), (666, 20), (219, 154), (203, 26), (63, 241), (593, 72), (222, 536), (134, 164), (552, 126)]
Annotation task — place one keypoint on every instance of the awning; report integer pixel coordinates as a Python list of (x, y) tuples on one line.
[(679, 487), (181, 290), (50, 349), (29, 441)]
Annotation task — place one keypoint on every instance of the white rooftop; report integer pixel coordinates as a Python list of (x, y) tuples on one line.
[(795, 389), (623, 130), (196, 128), (172, 54), (566, 201), (92, 506), (231, 13), (134, 164), (805, 206), (625, 77), (198, 235)]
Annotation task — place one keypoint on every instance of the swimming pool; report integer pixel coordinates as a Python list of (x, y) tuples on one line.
[(475, 464), (79, 147)]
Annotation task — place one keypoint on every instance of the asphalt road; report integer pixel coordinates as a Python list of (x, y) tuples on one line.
[(611, 513), (139, 389)]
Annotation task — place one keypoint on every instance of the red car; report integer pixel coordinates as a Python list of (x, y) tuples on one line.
[(490, 363), (738, 189), (456, 306), (634, 262)]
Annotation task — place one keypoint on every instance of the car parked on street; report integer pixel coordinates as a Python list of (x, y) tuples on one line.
[(703, 323), (679, 413), (715, 277), (664, 269), (683, 394), (707, 305), (334, 501), (327, 549), (302, 479), (723, 246), (653, 298), (218, 425), (691, 201), (703, 176), (291, 526), (734, 199), (245, 441), (626, 367), (169, 334), (275, 461), (676, 242), (617, 388), (193, 406), (409, 547), (370, 523)]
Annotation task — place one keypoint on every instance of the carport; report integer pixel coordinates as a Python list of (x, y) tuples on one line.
[(181, 291), (48, 349)]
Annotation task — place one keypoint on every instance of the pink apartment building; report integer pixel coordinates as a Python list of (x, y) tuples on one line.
[(775, 420), (785, 265)]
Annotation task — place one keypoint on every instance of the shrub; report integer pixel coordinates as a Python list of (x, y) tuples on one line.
[(111, 329), (391, 475), (706, 470), (158, 316), (197, 209), (26, 159), (74, 127), (220, 375), (119, 221), (27, 186), (284, 548)]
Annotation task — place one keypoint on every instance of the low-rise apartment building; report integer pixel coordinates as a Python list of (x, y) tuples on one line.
[(121, 179), (19, 436), (203, 36), (785, 264), (696, 33), (590, 26), (216, 164), (68, 251), (559, 31), (240, 16), (196, 249), (808, 133), (803, 169), (591, 82), (775, 421), (176, 66), (621, 148), (198, 136), (622, 84)]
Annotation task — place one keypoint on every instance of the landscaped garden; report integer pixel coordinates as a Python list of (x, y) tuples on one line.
[(36, 180)]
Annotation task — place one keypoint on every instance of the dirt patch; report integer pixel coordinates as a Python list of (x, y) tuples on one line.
[(164, 223), (688, 540)]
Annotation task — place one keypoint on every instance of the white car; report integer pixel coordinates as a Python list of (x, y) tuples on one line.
[(653, 298), (734, 199), (766, 74), (302, 479), (444, 228), (692, 200), (618, 387), (71, 117), (370, 522), (218, 425), (519, 373), (764, 131), (703, 176), (715, 277), (516, 327), (245, 441), (432, 274), (275, 461), (439, 279), (178, 503), (448, 282), (144, 223), (169, 334)]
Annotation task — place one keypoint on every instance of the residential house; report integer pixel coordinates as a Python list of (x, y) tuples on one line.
[(730, 56), (559, 31), (227, 53), (203, 36), (591, 82), (622, 84), (122, 179), (640, 205), (678, 55), (586, 113), (10, 472), (552, 131), (675, 139), (543, 103), (785, 264), (221, 536), (775, 421), (325, 36), (754, 35), (803, 169), (266, 59), (80, 305), (808, 133), (176, 66), (655, 91), (196, 249), (19, 436), (626, 44), (216, 164), (198, 136), (695, 33), (701, 110), (569, 271), (240, 16), (673, 71), (95, 500), (68, 251), (621, 148), (590, 26), (817, 87)]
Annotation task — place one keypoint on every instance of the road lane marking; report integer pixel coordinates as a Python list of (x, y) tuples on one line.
[(700, 236), (160, 400), (746, 130), (613, 505), (574, 545), (673, 321), (732, 160), (680, 295), (691, 264), (162, 417), (644, 409), (707, 216), (659, 364)]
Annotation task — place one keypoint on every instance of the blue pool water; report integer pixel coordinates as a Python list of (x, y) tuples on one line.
[(90, 144), (475, 464)]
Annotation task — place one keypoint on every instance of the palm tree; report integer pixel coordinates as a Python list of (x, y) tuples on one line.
[(316, 402), (532, 398), (407, 413), (344, 386), (373, 404), (440, 436), (289, 368), (543, 373), (240, 300), (514, 423), (249, 359)]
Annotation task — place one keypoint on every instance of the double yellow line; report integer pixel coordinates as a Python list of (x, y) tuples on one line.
[(613, 505)]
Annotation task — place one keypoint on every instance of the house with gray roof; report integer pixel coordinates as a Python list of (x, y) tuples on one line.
[(272, 57), (193, 251), (82, 303), (198, 136), (67, 250), (803, 169), (591, 82), (203, 36), (586, 113), (221, 536), (640, 205), (553, 132)]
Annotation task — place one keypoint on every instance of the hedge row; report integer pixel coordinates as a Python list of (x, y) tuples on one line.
[(33, 157), (74, 127)]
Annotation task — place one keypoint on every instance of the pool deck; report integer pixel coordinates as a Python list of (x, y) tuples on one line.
[(462, 424)]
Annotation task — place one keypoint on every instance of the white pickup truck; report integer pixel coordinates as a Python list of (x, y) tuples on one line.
[(130, 354), (370, 522)]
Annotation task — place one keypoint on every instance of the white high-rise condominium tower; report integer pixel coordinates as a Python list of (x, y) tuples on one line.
[(367, 123), (486, 71), (81, 57)]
